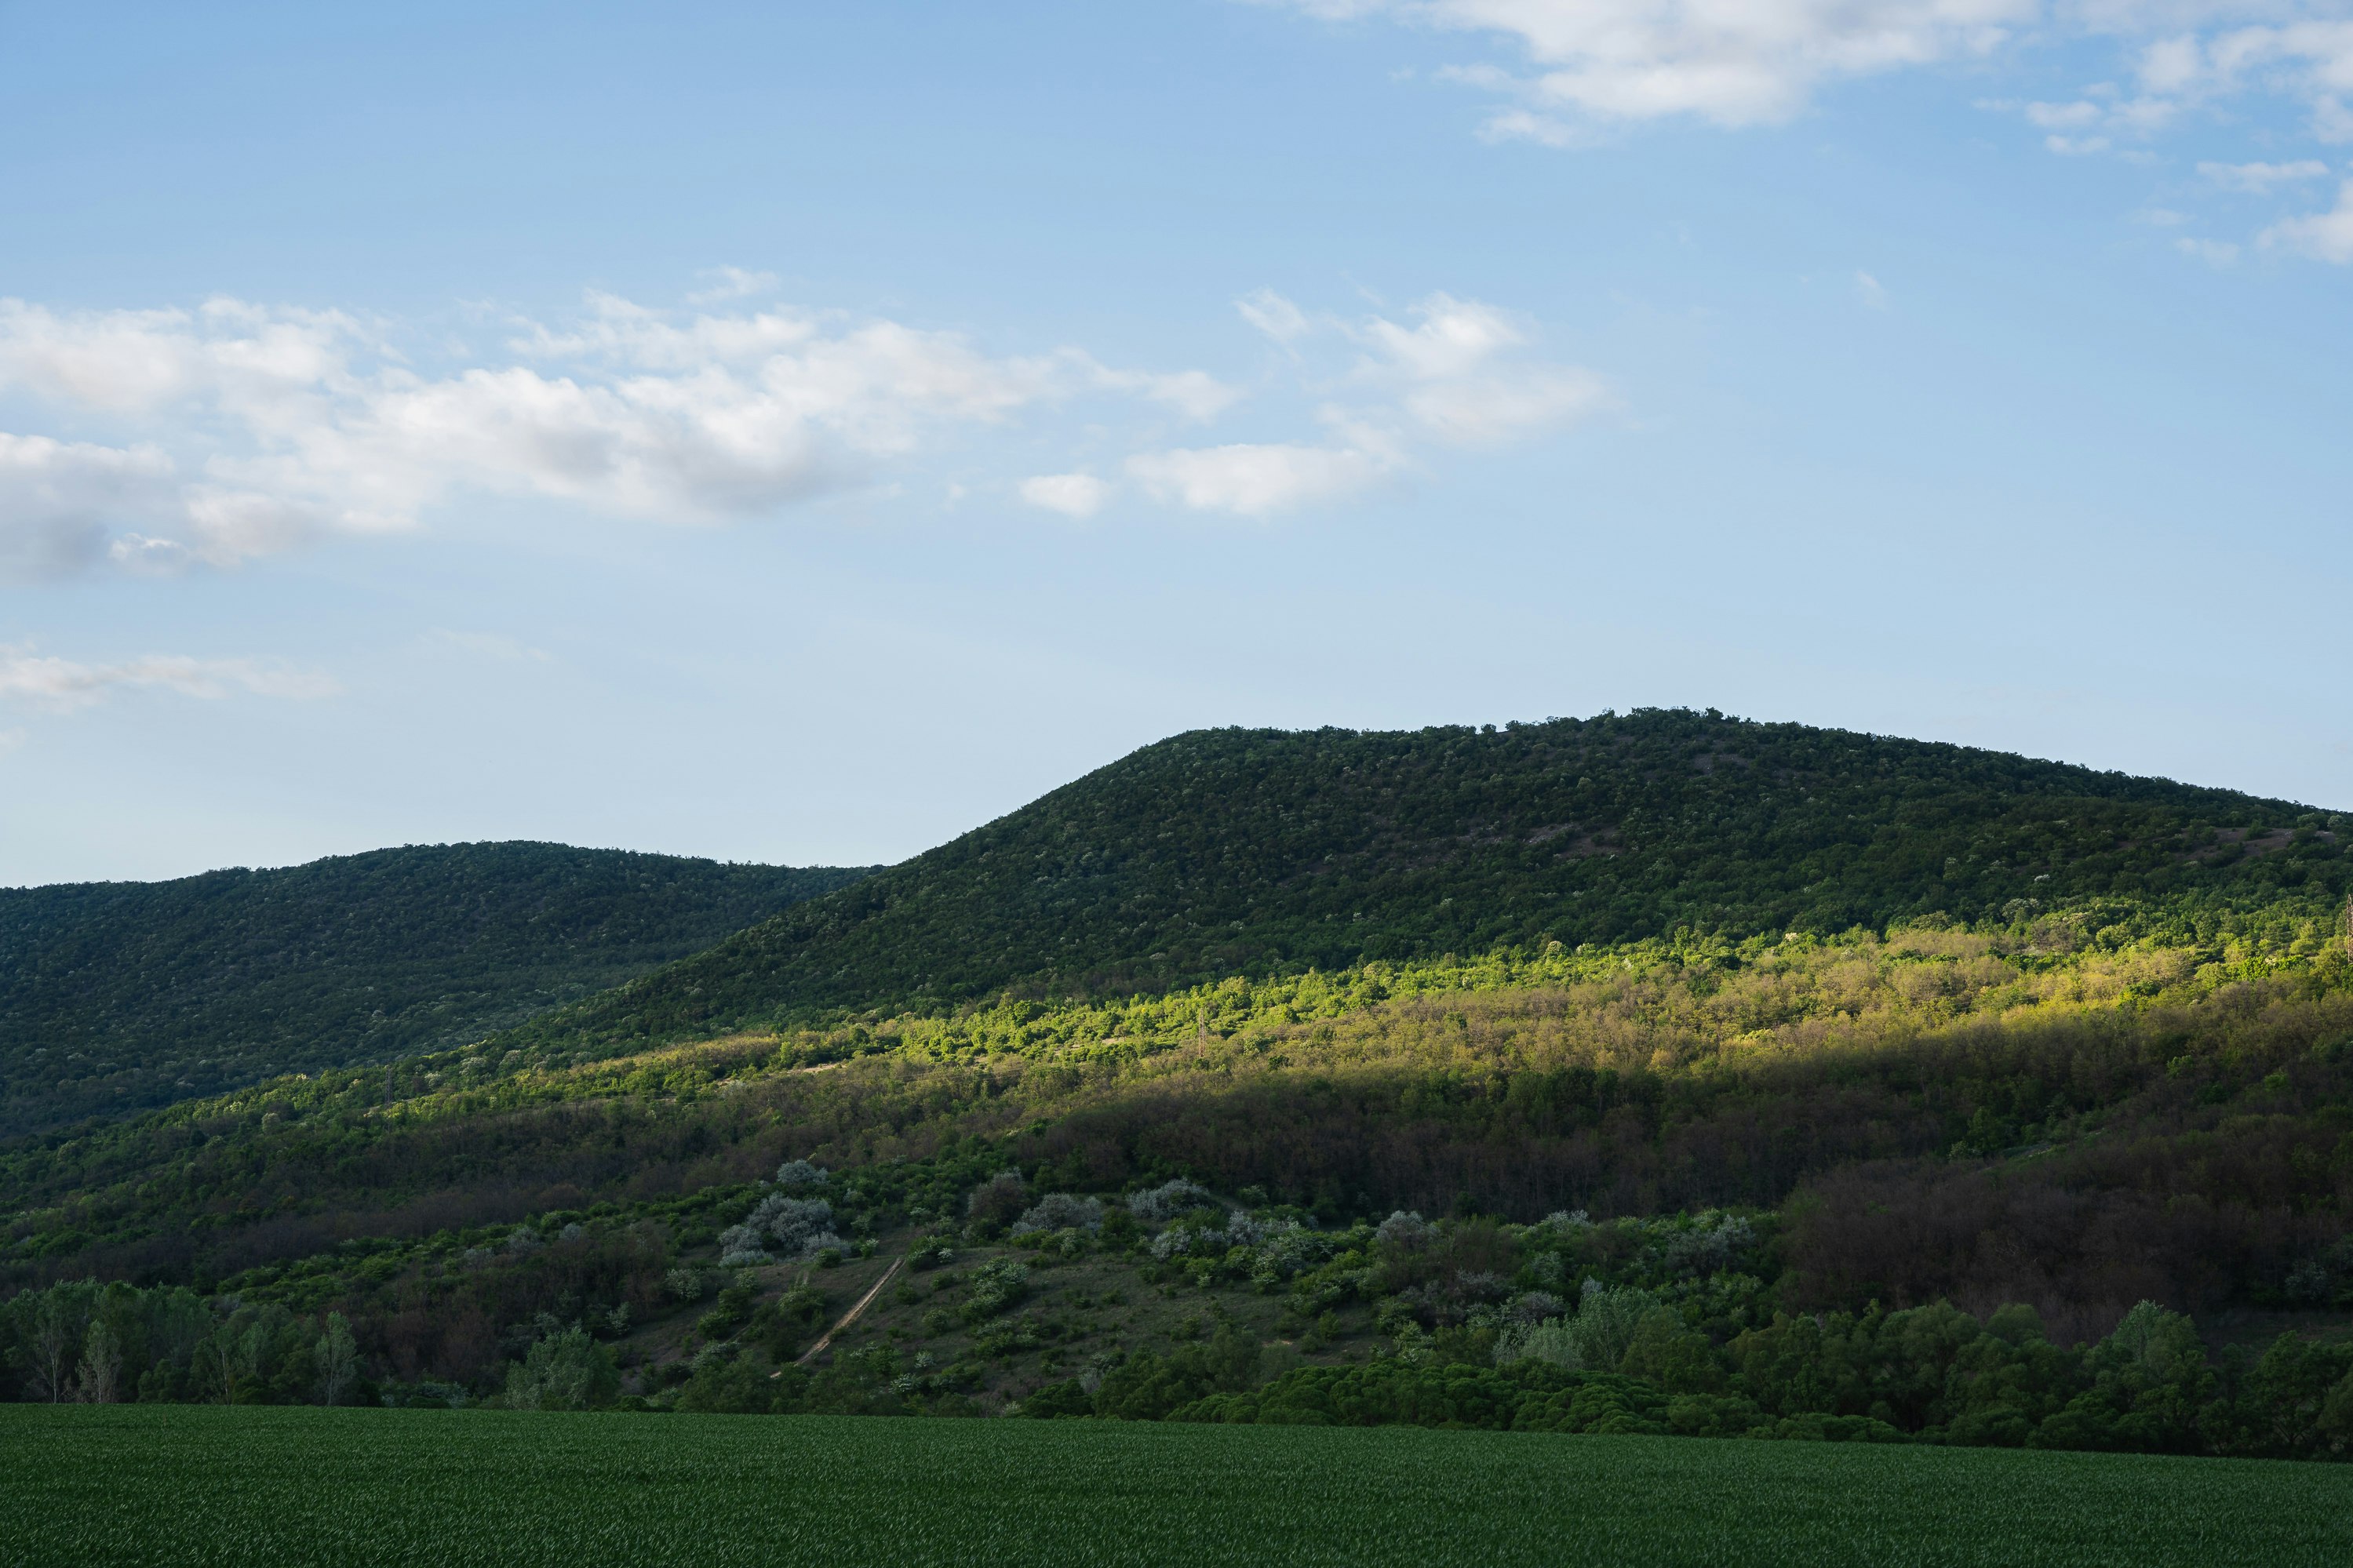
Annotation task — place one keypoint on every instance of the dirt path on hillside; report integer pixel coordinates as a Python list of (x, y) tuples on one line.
[(850, 1316)]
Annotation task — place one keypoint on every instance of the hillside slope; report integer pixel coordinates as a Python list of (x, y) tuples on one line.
[(118, 995), (1231, 851)]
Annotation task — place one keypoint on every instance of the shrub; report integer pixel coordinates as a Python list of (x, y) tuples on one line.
[(800, 1173), (1165, 1201), (1714, 1242), (1403, 1232), (995, 1284), (1550, 1340), (1060, 1210), (729, 1312), (996, 1202), (797, 1227)]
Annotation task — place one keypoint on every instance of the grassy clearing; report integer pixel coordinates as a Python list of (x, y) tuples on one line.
[(181, 1485)]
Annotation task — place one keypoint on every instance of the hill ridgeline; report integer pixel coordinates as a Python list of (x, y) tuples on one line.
[(1252, 852)]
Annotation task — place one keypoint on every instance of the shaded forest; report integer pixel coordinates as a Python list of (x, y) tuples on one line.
[(115, 996)]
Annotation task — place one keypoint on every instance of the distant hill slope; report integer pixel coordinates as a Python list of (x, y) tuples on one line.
[(1230, 851), (116, 995)]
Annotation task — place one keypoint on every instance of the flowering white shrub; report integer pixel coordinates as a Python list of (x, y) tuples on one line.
[(1406, 1232), (1709, 1246), (797, 1227), (1248, 1229), (1536, 1306), (1290, 1250), (1188, 1241), (995, 1284), (1060, 1210), (1167, 1201)]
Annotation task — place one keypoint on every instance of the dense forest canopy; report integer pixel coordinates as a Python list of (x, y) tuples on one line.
[(118, 996), (1256, 852)]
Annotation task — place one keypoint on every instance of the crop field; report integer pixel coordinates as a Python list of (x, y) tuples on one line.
[(300, 1486)]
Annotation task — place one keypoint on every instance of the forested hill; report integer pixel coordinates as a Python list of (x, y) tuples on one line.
[(116, 995), (1230, 851)]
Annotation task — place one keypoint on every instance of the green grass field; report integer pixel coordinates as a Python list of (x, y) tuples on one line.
[(186, 1485)]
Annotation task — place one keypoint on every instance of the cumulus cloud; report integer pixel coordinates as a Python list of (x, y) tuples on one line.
[(2323, 236), (250, 429), (1073, 495), (313, 421), (64, 685)]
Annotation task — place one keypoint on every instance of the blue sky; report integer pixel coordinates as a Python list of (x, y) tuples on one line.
[(799, 433)]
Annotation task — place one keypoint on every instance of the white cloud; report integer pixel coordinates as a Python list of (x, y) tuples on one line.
[(2260, 178), (1255, 479), (1526, 125), (300, 421), (64, 685), (1462, 384), (1275, 316), (2325, 236), (255, 428), (1869, 291), (1073, 495)]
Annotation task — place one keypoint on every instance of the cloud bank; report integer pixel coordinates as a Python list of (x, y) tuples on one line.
[(304, 422), (250, 429)]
